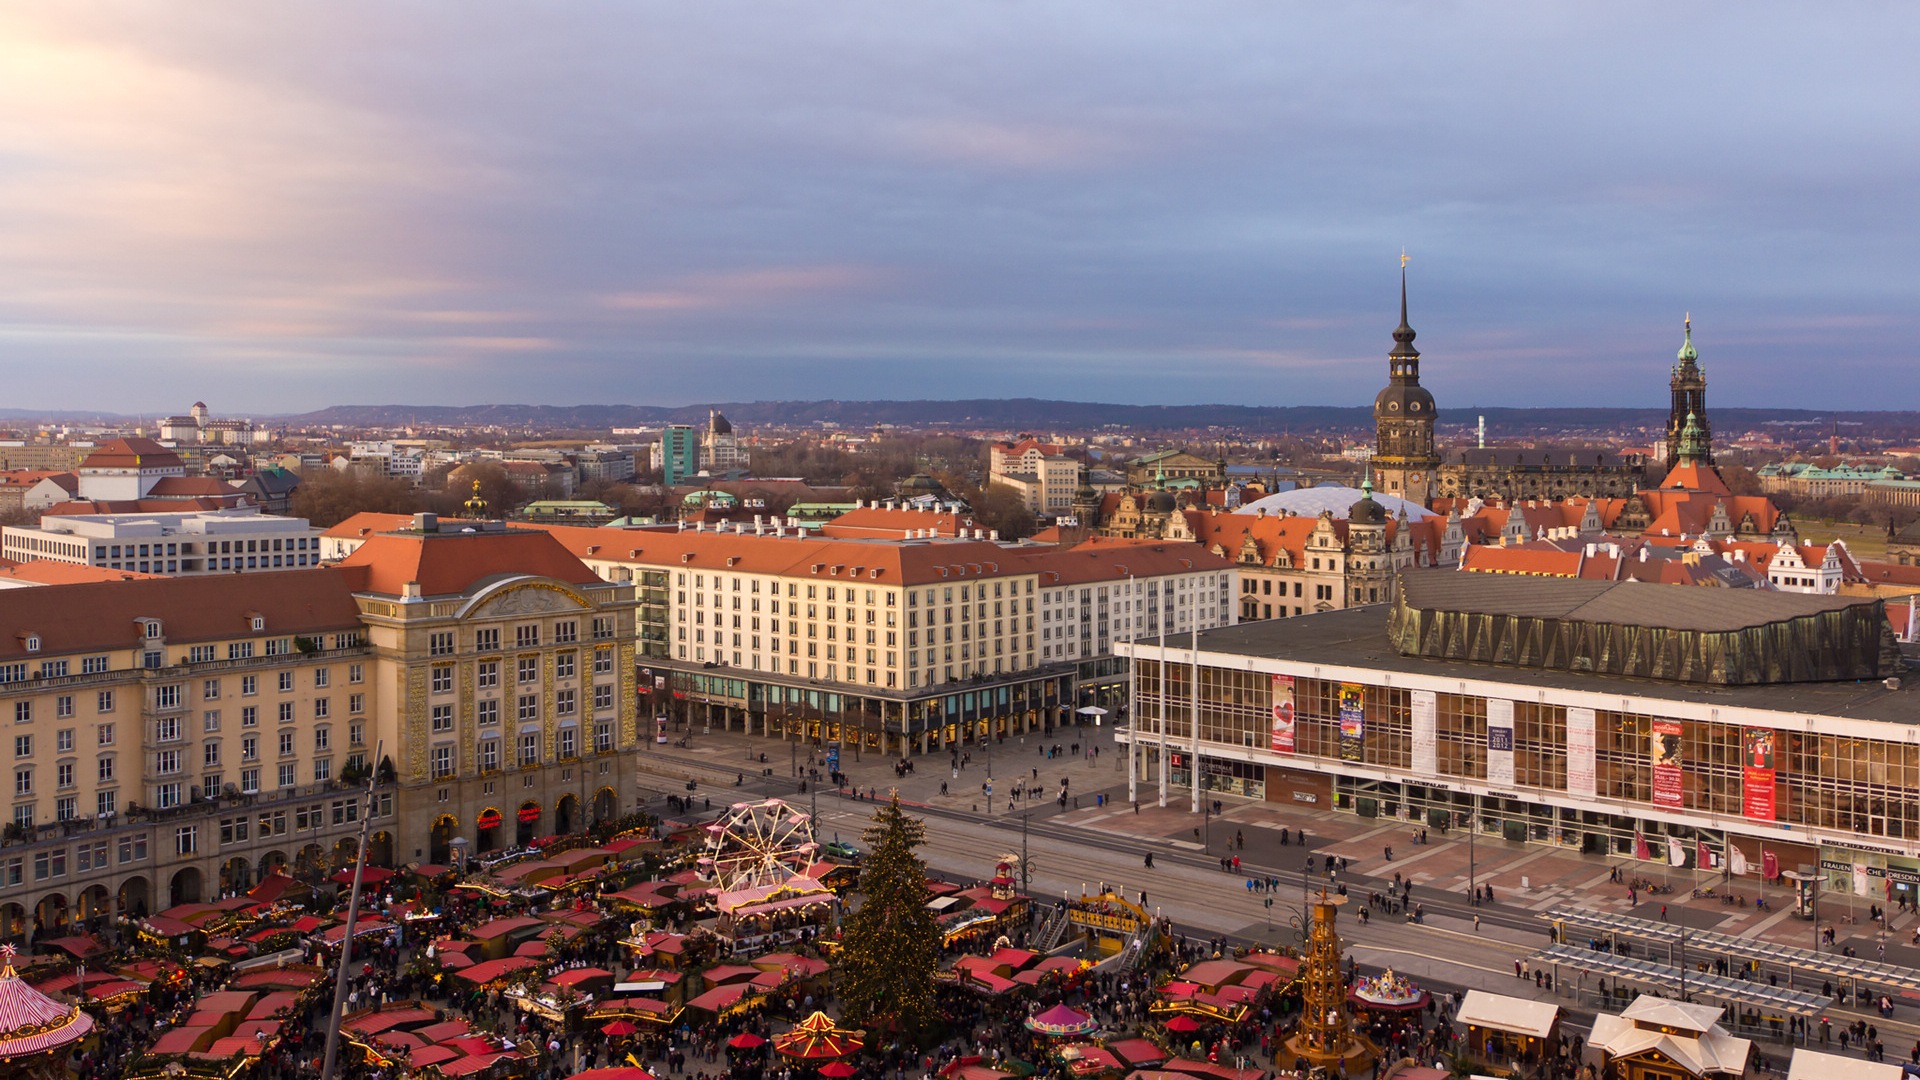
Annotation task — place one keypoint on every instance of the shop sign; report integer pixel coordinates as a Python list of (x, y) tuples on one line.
[(488, 819), (529, 814), (1305, 797)]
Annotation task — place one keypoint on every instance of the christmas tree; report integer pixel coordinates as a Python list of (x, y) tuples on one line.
[(891, 945)]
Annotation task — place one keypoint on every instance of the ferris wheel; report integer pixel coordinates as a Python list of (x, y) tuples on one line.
[(758, 843)]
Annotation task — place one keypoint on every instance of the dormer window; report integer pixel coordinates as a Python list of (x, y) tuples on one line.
[(150, 628), (31, 642), (258, 622)]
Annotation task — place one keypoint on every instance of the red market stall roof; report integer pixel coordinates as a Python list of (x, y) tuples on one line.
[(493, 969), (80, 946), (720, 997), (1138, 1052), (576, 976), (333, 935), (503, 927), (623, 1072)]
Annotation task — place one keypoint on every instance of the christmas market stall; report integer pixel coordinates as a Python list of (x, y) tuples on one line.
[(1508, 1033), (1387, 1004)]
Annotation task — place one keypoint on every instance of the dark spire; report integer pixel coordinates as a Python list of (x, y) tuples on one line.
[(1403, 334)]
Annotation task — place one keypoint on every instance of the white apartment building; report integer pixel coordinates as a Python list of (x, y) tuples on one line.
[(190, 542)]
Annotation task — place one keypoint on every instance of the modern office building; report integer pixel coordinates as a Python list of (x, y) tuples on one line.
[(1744, 730), (186, 542)]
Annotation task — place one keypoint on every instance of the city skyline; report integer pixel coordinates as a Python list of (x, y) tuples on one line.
[(357, 205)]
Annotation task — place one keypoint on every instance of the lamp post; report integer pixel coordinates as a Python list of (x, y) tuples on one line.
[(1473, 826)]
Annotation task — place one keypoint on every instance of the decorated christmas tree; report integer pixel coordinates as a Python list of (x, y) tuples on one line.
[(891, 944)]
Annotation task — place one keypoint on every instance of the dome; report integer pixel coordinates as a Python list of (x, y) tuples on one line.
[(1366, 511), (919, 483), (1309, 502), (1161, 502), (1403, 399), (718, 424)]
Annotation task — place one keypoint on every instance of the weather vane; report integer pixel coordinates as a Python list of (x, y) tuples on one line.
[(1403, 258)]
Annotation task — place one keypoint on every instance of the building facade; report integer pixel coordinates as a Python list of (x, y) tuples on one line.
[(896, 646), (173, 739), (1756, 732), (184, 544), (1041, 472), (1406, 460), (677, 455)]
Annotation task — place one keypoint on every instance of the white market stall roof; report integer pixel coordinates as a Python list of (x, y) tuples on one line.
[(1502, 1013), (1814, 1065)]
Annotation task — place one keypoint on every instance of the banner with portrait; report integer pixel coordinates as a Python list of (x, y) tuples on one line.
[(1582, 741), (1426, 737), (1353, 722), (1282, 740), (1757, 776), (1663, 748), (1499, 742)]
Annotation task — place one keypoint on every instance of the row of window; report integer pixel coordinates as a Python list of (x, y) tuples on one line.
[(440, 759), (525, 635)]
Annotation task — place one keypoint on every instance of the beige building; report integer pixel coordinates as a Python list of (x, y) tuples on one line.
[(1041, 472), (173, 739), (912, 645)]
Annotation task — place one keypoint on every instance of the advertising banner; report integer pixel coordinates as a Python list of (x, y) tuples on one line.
[(1353, 722), (1676, 852), (1756, 781), (1283, 714), (1769, 864), (1426, 742), (1663, 747), (1581, 740), (1499, 743)]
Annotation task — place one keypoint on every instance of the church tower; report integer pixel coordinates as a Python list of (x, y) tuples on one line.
[(1689, 403), (1404, 458)]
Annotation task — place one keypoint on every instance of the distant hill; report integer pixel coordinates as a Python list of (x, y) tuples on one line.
[(1037, 414)]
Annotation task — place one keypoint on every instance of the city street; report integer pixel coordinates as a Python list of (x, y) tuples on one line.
[(1086, 844)]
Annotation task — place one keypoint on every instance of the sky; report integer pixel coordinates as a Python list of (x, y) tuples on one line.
[(1182, 202)]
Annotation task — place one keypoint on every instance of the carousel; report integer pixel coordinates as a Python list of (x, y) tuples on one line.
[(37, 1033), (1387, 1003)]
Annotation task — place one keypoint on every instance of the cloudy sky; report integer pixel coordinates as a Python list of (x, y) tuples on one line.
[(670, 203)]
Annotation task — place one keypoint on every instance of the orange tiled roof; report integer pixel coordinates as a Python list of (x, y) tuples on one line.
[(131, 454), (452, 563), (1694, 476), (880, 522), (98, 616), (49, 572)]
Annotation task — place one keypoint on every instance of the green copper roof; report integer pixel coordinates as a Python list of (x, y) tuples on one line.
[(1686, 347)]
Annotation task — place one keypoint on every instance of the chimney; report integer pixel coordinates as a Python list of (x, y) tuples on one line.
[(410, 591), (426, 522), (993, 534)]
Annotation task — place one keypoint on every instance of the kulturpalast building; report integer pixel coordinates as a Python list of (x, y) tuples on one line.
[(1723, 728)]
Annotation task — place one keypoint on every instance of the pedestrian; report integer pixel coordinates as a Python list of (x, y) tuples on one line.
[(1663, 913), (1149, 860), (1476, 923)]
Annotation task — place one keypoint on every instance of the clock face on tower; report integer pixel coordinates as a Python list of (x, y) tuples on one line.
[(1417, 477)]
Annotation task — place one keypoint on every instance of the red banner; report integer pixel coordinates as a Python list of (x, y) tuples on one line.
[(1756, 781), (1664, 749), (1769, 864), (1640, 849), (1282, 714)]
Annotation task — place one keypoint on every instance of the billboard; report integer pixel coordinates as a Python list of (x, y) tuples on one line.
[(1582, 738), (1499, 742), (1353, 722), (1663, 749), (1283, 714), (1426, 746), (1756, 780)]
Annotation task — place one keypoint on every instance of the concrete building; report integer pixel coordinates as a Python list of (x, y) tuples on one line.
[(199, 428), (1725, 729), (182, 543), (720, 449), (676, 457)]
